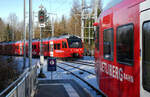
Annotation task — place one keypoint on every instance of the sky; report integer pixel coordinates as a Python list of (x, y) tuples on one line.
[(59, 7), (105, 2)]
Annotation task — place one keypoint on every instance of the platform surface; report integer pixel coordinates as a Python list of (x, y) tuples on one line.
[(60, 88)]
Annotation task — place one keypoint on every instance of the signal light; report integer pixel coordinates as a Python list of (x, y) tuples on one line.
[(41, 16)]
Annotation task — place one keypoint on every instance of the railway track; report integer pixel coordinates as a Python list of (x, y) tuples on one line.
[(78, 68), (86, 82), (86, 62), (82, 63)]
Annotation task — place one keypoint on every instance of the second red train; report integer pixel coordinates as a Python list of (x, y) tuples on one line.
[(67, 46)]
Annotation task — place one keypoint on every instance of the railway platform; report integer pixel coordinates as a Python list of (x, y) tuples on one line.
[(60, 88)]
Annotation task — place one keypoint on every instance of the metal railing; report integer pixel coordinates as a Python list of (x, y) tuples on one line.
[(24, 86)]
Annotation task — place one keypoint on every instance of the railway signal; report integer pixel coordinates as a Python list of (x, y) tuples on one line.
[(41, 16)]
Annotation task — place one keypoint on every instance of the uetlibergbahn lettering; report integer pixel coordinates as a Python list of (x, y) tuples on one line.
[(116, 72)]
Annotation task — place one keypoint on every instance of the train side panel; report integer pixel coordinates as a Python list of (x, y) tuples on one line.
[(117, 75)]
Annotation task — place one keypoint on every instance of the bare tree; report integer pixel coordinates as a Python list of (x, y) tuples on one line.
[(74, 24), (2, 30), (19, 31), (13, 21)]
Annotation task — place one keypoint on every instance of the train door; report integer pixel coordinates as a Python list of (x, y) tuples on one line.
[(51, 48), (145, 49), (97, 49)]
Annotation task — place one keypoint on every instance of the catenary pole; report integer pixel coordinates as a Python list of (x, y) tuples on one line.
[(30, 33), (82, 21), (96, 8), (33, 25), (24, 35), (52, 26)]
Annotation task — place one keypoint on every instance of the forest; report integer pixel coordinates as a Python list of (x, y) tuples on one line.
[(12, 29)]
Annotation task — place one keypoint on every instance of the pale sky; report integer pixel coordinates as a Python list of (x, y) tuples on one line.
[(59, 7)]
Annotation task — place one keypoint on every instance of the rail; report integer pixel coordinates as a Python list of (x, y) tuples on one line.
[(95, 89), (24, 86), (79, 68), (82, 63)]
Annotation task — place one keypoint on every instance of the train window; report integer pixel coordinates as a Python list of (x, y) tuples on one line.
[(58, 46), (125, 44), (146, 56), (64, 44), (17, 47), (108, 44), (97, 38), (48, 46), (55, 46), (33, 46), (45, 47)]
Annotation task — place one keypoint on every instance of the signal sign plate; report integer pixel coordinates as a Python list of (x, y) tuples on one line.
[(51, 64), (42, 25)]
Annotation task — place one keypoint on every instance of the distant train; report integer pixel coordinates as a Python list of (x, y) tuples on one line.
[(67, 46), (122, 53)]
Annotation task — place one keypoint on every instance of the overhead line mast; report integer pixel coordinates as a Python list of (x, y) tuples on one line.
[(24, 35), (82, 21), (30, 34), (85, 17)]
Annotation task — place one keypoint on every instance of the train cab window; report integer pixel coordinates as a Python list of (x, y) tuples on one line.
[(64, 44), (108, 44), (74, 43), (146, 56), (125, 44), (97, 38)]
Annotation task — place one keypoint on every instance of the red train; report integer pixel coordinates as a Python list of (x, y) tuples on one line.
[(66, 46), (122, 53)]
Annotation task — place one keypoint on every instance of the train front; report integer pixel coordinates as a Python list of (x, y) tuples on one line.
[(76, 49)]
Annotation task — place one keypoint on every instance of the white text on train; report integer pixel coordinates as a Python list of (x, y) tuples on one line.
[(116, 72)]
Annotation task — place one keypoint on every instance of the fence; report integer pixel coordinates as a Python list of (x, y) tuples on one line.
[(24, 86)]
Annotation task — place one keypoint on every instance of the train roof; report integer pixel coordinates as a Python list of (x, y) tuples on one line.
[(11, 42), (61, 37), (50, 38)]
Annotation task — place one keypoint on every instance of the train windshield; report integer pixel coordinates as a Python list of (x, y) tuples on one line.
[(111, 3), (74, 43)]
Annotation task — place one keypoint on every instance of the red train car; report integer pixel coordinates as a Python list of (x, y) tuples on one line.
[(46, 46), (6, 48), (63, 47), (17, 48), (122, 53), (67, 46), (35, 48)]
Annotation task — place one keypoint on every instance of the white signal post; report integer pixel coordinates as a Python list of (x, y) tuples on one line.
[(41, 25)]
